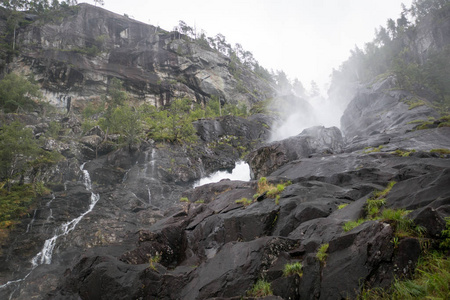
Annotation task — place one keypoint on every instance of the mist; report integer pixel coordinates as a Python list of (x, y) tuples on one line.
[(298, 113)]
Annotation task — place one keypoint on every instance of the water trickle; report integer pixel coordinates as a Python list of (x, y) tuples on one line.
[(51, 200), (30, 225), (145, 163), (152, 161), (149, 195)]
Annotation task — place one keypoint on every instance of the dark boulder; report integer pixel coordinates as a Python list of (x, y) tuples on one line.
[(312, 141)]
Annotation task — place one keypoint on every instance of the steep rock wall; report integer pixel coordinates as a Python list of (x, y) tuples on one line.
[(77, 56)]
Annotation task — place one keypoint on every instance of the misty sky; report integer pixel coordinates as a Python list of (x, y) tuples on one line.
[(305, 38)]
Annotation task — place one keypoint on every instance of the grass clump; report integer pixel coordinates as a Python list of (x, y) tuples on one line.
[(321, 254), (352, 224), (271, 190), (416, 104), (343, 205), (373, 149), (200, 201), (244, 201), (261, 288), (184, 199), (383, 193), (430, 281), (445, 244), (292, 269), (440, 151), (403, 153)]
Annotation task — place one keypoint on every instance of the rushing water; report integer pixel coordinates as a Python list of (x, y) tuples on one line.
[(45, 255), (240, 172)]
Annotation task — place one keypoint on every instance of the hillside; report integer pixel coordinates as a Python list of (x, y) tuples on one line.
[(98, 197)]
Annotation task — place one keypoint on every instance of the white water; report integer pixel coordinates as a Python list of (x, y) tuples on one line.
[(240, 172), (45, 255)]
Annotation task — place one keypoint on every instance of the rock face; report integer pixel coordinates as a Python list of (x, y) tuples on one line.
[(315, 140), (75, 58)]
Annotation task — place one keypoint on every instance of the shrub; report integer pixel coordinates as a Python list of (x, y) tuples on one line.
[(292, 269), (261, 288)]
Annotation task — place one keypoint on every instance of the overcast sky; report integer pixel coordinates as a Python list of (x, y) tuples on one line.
[(304, 38)]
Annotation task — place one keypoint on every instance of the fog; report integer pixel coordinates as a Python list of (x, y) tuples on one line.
[(296, 114)]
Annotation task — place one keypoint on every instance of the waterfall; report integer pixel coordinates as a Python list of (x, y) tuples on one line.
[(45, 255), (240, 172), (149, 195)]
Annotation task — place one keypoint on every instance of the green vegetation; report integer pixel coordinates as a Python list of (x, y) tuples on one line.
[(440, 151), (14, 204), (389, 55), (430, 281), (153, 260), (292, 269), (261, 288), (244, 201), (415, 103), (343, 205), (17, 148), (445, 244), (402, 226), (184, 199), (373, 149), (271, 190), (322, 252), (18, 93), (352, 224), (373, 206), (200, 201), (403, 153)]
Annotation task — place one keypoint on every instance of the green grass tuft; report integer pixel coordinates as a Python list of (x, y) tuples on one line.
[(261, 288), (322, 252), (292, 269)]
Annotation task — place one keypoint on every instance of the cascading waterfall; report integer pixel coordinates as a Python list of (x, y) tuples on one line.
[(45, 255)]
